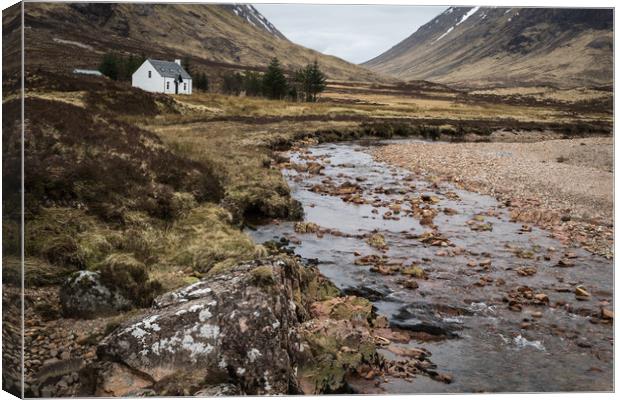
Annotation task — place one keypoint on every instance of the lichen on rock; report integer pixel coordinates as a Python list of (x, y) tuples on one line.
[(84, 295), (229, 327), (250, 330)]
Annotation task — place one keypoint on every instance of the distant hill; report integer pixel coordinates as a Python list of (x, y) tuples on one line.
[(64, 36), (483, 46)]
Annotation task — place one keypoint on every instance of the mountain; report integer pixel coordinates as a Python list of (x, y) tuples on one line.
[(482, 46), (63, 36)]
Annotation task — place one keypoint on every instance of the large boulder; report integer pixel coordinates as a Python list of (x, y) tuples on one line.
[(242, 331), (236, 327), (84, 295)]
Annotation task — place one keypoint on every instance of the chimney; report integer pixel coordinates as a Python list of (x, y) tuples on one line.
[(178, 61)]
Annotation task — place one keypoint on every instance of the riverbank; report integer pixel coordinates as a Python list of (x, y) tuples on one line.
[(565, 186)]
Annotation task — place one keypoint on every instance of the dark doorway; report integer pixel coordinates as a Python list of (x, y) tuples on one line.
[(176, 87)]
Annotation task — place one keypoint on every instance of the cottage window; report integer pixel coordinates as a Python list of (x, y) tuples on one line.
[(149, 74), (185, 86), (167, 85)]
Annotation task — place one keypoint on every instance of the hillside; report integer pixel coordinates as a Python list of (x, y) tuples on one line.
[(214, 36), (482, 46)]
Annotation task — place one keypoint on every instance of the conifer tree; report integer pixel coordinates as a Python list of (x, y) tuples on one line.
[(310, 81), (109, 66), (275, 85), (315, 81)]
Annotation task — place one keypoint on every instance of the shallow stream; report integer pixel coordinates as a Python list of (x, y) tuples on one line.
[(458, 311)]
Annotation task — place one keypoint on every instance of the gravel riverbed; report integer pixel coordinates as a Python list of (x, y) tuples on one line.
[(565, 186)]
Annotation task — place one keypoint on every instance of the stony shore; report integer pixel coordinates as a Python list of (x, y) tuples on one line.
[(565, 186)]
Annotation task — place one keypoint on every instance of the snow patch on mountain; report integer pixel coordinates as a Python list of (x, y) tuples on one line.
[(466, 16), (463, 19), (255, 18), (444, 34)]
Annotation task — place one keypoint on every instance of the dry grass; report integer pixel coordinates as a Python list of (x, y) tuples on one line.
[(340, 101), (76, 98), (548, 93)]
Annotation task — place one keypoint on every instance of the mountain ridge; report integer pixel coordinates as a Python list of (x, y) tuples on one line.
[(230, 36), (487, 46)]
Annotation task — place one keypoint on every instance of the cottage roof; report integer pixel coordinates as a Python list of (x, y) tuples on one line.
[(169, 69)]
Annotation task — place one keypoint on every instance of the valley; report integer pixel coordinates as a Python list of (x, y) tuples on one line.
[(240, 138), (394, 236)]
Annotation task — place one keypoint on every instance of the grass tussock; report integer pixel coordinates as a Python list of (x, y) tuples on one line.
[(136, 254), (206, 241), (37, 272), (130, 276)]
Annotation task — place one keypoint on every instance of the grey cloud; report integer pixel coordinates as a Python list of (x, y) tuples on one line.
[(355, 33)]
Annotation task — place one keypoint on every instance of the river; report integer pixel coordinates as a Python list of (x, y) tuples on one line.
[(461, 311)]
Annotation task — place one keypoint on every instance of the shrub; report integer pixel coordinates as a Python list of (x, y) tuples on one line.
[(108, 166)]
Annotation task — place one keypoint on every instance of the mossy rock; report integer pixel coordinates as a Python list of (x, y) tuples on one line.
[(377, 241), (84, 295), (336, 349), (414, 270), (349, 308), (306, 227), (319, 288)]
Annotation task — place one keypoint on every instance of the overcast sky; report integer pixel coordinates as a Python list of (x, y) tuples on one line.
[(354, 33)]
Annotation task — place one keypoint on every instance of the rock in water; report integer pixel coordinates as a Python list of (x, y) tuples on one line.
[(85, 296)]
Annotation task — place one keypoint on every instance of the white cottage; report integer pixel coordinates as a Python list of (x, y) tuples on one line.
[(162, 77)]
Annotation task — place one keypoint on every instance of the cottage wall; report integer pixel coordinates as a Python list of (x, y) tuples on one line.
[(141, 79)]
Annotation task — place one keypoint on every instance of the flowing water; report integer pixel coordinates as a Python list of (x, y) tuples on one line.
[(471, 332)]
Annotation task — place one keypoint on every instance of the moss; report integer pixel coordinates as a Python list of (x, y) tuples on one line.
[(263, 276), (350, 308), (189, 280), (336, 350), (320, 289)]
